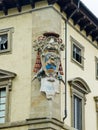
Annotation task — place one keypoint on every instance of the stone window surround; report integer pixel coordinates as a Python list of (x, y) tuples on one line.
[(96, 103), (81, 96), (6, 82), (96, 62), (79, 88), (76, 43), (9, 32), (7, 86)]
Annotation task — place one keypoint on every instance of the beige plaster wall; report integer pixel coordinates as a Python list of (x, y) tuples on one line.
[(19, 62), (45, 19), (88, 74), (22, 58)]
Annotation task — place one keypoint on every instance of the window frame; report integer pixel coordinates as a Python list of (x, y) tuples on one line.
[(2, 104), (78, 88), (9, 36), (96, 105), (5, 84), (77, 111), (6, 102), (75, 92), (96, 67), (79, 46), (6, 78)]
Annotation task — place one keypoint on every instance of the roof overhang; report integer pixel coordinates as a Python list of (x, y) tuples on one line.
[(74, 9), (81, 16)]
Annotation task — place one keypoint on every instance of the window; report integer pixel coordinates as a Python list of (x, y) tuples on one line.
[(96, 67), (2, 104), (4, 91), (77, 52), (96, 103), (79, 89), (77, 112), (5, 40), (5, 88)]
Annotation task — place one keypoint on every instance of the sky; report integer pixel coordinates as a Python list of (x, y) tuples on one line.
[(92, 5)]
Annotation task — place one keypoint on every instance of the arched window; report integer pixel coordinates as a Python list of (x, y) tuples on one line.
[(79, 89)]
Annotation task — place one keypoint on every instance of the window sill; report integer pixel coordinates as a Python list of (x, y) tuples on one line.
[(77, 63)]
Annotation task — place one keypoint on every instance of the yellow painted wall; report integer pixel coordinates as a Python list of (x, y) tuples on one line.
[(88, 74), (27, 27), (19, 62)]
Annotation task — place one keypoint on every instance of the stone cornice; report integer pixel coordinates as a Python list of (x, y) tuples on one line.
[(38, 124)]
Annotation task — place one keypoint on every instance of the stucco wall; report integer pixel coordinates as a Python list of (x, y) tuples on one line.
[(87, 73), (27, 27), (19, 62), (44, 19)]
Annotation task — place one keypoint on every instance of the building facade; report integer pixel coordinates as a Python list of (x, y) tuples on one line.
[(48, 65)]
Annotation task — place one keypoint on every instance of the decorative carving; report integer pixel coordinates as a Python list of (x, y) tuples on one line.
[(6, 75), (10, 84), (48, 67)]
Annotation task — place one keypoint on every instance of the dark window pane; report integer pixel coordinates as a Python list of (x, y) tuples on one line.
[(2, 92), (77, 53), (77, 113), (4, 42), (97, 68)]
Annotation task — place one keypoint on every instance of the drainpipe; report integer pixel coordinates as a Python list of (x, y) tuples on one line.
[(66, 28), (65, 111)]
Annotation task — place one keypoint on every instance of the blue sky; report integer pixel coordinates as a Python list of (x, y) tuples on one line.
[(92, 5)]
